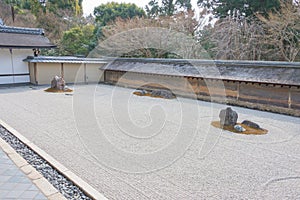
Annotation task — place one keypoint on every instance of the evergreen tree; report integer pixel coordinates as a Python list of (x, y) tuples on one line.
[(109, 12), (51, 5), (167, 7), (77, 40), (223, 8), (106, 13)]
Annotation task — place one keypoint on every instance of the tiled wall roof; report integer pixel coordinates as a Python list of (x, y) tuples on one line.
[(19, 37), (21, 30)]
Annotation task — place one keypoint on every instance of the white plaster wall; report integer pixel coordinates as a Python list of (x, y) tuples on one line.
[(6, 79), (5, 62), (19, 55), (13, 64), (22, 79)]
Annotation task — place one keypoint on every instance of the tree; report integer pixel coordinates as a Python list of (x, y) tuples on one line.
[(235, 39), (106, 13), (166, 37), (51, 6), (13, 5), (275, 37), (283, 32), (167, 7), (76, 40), (21, 17), (74, 5), (247, 8)]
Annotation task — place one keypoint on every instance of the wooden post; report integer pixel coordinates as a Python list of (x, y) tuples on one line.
[(85, 78), (104, 76), (238, 90), (35, 73), (62, 70), (290, 99), (30, 75)]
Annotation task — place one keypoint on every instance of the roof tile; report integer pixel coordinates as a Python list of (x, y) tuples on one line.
[(18, 37)]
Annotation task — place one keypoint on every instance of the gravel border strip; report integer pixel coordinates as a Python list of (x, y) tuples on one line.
[(66, 182)]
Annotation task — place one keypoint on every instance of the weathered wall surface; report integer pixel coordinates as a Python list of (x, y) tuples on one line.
[(43, 73), (275, 97), (270, 86), (46, 72)]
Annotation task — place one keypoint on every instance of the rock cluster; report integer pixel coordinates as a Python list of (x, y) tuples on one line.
[(58, 83), (166, 94), (228, 121)]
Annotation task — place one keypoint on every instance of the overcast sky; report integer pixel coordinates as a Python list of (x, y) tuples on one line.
[(89, 5)]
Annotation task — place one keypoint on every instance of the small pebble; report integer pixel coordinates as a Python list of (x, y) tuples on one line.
[(239, 128)]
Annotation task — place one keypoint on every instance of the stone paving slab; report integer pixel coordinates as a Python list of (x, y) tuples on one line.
[(18, 179), (214, 164), (14, 184)]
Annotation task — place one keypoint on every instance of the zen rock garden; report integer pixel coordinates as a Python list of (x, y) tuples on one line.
[(58, 85), (228, 121)]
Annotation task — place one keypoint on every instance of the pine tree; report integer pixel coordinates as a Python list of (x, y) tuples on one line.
[(106, 13), (167, 8), (223, 8)]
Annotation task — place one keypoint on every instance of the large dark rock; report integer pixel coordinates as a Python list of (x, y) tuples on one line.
[(163, 94), (251, 124), (58, 83), (228, 117)]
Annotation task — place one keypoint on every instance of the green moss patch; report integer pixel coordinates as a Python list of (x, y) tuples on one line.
[(57, 90)]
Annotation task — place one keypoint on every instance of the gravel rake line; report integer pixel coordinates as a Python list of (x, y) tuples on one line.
[(59, 181)]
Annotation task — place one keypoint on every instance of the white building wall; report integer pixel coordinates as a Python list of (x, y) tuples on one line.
[(12, 67)]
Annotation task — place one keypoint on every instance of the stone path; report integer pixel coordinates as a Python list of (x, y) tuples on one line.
[(14, 184)]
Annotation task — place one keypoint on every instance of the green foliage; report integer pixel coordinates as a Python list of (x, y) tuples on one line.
[(109, 12), (26, 4), (36, 7), (150, 53), (206, 42), (98, 34), (52, 5), (223, 8), (167, 7), (76, 41), (106, 13), (14, 2)]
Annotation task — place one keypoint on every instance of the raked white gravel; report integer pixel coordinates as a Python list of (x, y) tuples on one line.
[(131, 147)]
